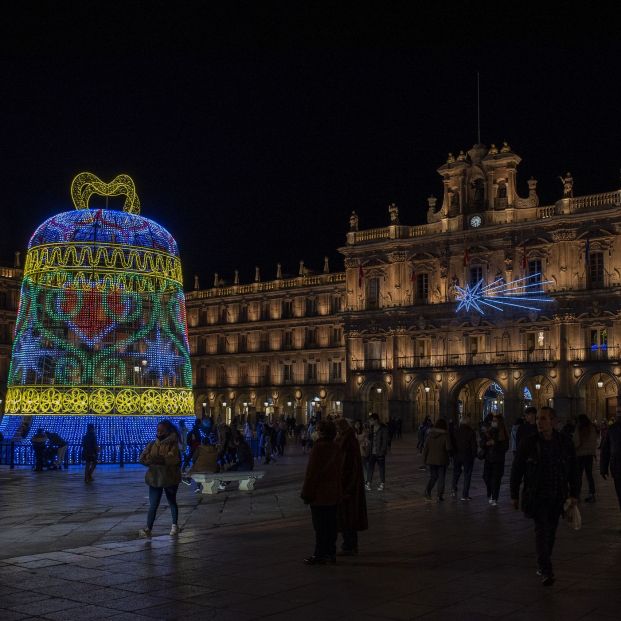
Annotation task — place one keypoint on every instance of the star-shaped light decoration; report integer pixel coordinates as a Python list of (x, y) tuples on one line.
[(162, 357), (526, 293)]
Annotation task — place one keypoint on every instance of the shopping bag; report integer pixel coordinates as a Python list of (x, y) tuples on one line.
[(572, 516)]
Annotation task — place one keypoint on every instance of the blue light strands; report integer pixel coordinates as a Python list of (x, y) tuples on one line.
[(524, 293)]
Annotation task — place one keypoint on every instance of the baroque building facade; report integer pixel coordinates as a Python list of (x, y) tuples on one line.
[(390, 335), (10, 280)]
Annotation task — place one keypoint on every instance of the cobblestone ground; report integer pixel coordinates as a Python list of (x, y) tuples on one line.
[(68, 551)]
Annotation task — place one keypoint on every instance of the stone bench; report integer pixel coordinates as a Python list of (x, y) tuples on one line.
[(210, 481)]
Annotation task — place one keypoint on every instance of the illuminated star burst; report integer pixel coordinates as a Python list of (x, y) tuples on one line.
[(526, 293)]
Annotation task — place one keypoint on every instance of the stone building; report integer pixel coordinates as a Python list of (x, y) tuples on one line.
[(391, 334), (10, 280)]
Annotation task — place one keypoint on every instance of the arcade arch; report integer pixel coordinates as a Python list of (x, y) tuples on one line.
[(479, 397), (599, 393)]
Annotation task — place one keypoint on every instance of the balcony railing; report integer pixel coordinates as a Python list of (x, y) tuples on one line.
[(452, 360), (594, 353)]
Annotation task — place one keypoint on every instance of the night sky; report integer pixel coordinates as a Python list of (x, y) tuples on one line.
[(253, 130)]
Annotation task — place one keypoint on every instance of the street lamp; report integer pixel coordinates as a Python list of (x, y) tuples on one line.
[(600, 382), (537, 386)]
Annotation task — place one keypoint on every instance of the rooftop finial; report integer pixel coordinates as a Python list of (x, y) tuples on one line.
[(326, 265)]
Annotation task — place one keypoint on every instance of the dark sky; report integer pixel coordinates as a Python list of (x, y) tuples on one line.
[(253, 129)]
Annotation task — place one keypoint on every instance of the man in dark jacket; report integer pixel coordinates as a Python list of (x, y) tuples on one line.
[(322, 491), (610, 456), (378, 446), (528, 427), (546, 463), (465, 450)]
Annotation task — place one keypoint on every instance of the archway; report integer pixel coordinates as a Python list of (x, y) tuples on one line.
[(601, 392), (536, 390), (478, 398), (376, 400), (426, 398)]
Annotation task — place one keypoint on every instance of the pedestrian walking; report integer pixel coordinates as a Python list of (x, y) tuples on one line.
[(610, 455), (90, 451), (423, 429), (585, 442), (352, 510), (494, 445), (436, 455), (163, 476), (546, 463), (528, 427), (464, 452), (322, 491), (378, 446)]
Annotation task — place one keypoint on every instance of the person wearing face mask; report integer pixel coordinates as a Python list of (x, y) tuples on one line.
[(163, 476), (494, 444)]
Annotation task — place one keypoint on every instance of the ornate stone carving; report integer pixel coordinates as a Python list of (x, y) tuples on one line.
[(563, 235), (397, 256)]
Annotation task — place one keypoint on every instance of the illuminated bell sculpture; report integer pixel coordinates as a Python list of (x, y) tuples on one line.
[(101, 327)]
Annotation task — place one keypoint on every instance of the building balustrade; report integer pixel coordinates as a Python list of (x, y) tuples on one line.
[(595, 353), (259, 382), (522, 356)]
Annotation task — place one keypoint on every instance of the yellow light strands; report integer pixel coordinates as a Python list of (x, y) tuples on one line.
[(85, 184)]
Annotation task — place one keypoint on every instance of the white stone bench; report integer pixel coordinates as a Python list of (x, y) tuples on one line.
[(210, 481)]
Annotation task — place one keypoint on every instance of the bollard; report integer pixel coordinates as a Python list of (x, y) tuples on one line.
[(122, 454)]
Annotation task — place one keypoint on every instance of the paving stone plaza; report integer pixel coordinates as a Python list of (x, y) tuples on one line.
[(70, 551)]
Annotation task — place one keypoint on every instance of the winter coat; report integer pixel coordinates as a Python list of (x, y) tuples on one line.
[(163, 460), (378, 441), (437, 448), (610, 455), (204, 457), (363, 442), (322, 482), (588, 445), (494, 453), (527, 467), (465, 443), (352, 510)]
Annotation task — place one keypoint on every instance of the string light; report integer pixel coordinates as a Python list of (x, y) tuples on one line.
[(525, 293)]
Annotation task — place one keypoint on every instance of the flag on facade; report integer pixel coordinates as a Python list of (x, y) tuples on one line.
[(524, 262), (466, 256), (413, 275), (587, 252), (360, 276)]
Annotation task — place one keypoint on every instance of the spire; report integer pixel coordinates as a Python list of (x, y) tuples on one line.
[(216, 280), (257, 274), (326, 265), (301, 272), (196, 283), (278, 271), (17, 262), (236, 277)]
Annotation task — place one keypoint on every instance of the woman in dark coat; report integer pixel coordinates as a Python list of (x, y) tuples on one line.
[(322, 491), (352, 510)]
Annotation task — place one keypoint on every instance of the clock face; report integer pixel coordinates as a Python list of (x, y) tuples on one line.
[(475, 221)]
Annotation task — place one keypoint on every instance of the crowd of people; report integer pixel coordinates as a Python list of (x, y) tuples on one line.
[(549, 465)]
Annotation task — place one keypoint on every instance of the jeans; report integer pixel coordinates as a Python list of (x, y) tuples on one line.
[(492, 475), (467, 466), (324, 523), (380, 460), (155, 495), (437, 473), (546, 522), (585, 465)]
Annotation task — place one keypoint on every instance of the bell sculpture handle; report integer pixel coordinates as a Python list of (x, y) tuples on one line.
[(85, 184)]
